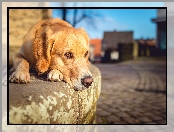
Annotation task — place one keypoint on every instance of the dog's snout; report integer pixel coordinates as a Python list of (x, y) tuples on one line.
[(87, 81)]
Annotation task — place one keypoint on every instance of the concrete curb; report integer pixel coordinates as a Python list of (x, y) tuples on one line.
[(44, 102)]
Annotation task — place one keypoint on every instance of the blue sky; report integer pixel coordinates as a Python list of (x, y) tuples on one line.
[(136, 20)]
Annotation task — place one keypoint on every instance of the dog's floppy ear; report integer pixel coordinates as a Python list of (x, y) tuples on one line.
[(42, 45)]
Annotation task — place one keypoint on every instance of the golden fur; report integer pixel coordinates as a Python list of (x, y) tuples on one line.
[(54, 46)]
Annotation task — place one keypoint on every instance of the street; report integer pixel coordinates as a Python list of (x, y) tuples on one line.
[(133, 92)]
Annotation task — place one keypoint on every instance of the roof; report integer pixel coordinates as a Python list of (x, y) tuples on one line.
[(149, 42), (112, 39), (161, 16), (161, 19)]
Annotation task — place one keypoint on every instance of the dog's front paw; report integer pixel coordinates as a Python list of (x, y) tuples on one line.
[(20, 77), (55, 75)]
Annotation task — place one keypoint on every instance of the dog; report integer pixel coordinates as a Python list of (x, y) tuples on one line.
[(54, 47)]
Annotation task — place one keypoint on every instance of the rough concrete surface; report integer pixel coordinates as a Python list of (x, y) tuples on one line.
[(44, 102)]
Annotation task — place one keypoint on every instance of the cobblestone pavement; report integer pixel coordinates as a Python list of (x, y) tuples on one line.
[(133, 92)]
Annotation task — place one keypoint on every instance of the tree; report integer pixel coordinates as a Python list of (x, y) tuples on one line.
[(78, 15)]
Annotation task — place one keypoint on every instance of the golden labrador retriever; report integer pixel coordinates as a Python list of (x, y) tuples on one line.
[(53, 46)]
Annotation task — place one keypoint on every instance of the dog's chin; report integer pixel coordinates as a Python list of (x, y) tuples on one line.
[(78, 88), (79, 84)]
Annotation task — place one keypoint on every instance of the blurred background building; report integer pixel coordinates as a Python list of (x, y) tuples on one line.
[(161, 31), (95, 44), (112, 46)]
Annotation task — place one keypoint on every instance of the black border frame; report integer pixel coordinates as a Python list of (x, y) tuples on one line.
[(8, 8)]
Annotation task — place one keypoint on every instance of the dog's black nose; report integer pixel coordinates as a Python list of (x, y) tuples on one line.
[(87, 81)]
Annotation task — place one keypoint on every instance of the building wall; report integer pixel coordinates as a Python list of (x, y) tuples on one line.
[(20, 23), (97, 47), (161, 30), (21, 20), (16, 4), (161, 13), (114, 42)]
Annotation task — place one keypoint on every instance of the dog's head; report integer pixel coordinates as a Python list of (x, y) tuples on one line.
[(66, 49)]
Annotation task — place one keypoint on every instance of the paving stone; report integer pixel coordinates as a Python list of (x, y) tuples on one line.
[(121, 114), (109, 102), (98, 109), (99, 121), (148, 114), (103, 113), (156, 118), (133, 98), (149, 123), (144, 119), (124, 109), (112, 118), (162, 122), (130, 120), (112, 110), (163, 116), (104, 107)]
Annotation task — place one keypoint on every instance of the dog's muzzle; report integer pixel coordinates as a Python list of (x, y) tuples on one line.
[(87, 81)]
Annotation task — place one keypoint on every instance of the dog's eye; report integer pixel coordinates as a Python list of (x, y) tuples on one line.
[(86, 54), (68, 55)]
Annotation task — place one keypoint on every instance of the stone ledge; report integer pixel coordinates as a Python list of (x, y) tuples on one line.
[(44, 102)]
